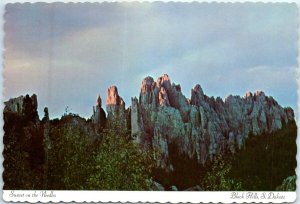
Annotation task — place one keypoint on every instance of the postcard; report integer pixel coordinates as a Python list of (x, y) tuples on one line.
[(150, 102)]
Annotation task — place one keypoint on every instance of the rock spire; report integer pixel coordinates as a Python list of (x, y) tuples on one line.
[(202, 126)]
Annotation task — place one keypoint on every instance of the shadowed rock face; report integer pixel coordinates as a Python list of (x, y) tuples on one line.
[(22, 137), (197, 95), (202, 126), (99, 117), (23, 106)]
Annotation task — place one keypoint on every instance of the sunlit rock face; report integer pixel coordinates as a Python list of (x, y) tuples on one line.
[(113, 98), (115, 107), (200, 127)]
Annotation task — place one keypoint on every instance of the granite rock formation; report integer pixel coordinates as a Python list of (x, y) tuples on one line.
[(201, 127), (162, 118), (115, 107)]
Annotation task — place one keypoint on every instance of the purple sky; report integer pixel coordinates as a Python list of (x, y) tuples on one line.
[(68, 53)]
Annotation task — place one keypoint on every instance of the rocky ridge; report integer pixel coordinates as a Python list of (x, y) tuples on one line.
[(202, 126)]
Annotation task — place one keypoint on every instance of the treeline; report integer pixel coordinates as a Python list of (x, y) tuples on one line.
[(111, 162), (67, 156), (267, 159)]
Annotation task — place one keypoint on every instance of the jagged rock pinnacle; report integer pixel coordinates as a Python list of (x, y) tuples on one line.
[(115, 107), (98, 101), (205, 126), (113, 97)]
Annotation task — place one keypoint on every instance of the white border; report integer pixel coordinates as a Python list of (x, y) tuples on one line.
[(139, 196), (150, 196)]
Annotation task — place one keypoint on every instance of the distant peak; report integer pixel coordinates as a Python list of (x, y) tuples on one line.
[(198, 88), (164, 81), (248, 94), (259, 93), (147, 84), (113, 97)]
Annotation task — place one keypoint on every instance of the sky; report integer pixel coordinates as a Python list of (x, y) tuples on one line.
[(69, 53)]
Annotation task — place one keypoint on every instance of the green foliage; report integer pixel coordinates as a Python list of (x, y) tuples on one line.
[(16, 174), (218, 179), (112, 162), (23, 155), (266, 159), (69, 158), (213, 176), (120, 165), (288, 184), (262, 164), (187, 171)]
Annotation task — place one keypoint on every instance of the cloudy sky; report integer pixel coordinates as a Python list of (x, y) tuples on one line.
[(68, 53)]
